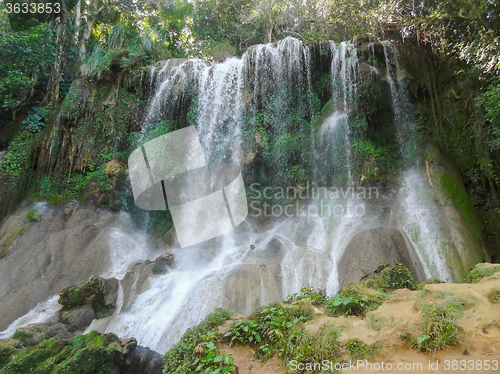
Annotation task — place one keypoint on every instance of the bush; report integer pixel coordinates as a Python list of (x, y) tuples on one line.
[(352, 303), (358, 350), (308, 294), (439, 330), (243, 332), (392, 278), (306, 348), (180, 359)]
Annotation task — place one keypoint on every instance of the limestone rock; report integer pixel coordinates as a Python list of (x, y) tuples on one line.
[(78, 319), (35, 333)]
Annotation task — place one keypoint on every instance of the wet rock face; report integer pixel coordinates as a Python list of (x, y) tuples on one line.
[(369, 249), (65, 247)]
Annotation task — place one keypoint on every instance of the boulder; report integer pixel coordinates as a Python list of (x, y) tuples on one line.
[(78, 319), (35, 333)]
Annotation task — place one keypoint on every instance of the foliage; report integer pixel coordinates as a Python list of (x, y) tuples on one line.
[(439, 330), (27, 57), (304, 347), (494, 295), (393, 277), (308, 294), (482, 270), (36, 119), (33, 215), (358, 350), (352, 303), (243, 332), (212, 361), (180, 358)]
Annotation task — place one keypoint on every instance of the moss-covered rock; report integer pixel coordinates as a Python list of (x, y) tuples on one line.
[(83, 354), (465, 246), (392, 277), (101, 294), (34, 334)]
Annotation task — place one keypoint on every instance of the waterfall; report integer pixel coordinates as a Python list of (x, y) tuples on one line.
[(404, 116), (421, 218), (263, 261)]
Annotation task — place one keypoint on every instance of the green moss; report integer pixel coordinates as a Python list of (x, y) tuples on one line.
[(90, 293), (5, 354), (358, 350), (448, 181), (87, 354), (4, 248), (482, 270), (392, 277)]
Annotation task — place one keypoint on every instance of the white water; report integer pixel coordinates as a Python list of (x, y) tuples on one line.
[(47, 311)]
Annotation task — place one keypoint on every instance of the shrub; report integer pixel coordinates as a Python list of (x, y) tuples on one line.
[(180, 359), (306, 348), (308, 294), (211, 360), (243, 332), (439, 330), (352, 303), (359, 350), (35, 120), (392, 278)]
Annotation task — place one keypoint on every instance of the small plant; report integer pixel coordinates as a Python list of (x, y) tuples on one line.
[(392, 278), (35, 120), (33, 215), (494, 295), (308, 294), (211, 360), (155, 270), (243, 332), (352, 303), (180, 359), (356, 349), (440, 329)]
